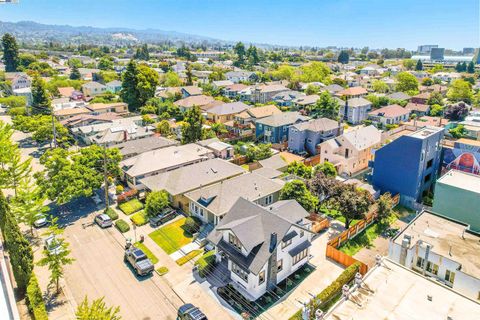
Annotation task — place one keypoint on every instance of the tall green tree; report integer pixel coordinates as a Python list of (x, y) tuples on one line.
[(75, 73), (192, 129), (21, 255), (138, 85), (239, 50), (406, 82), (352, 203), (325, 107), (327, 168), (97, 310), (252, 55), (41, 103), (460, 90), (300, 170), (56, 259), (17, 170), (385, 208), (10, 52), (297, 190), (471, 67), (156, 202), (189, 74), (343, 57), (419, 65), (28, 203)]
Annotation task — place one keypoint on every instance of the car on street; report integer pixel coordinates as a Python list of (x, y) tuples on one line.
[(103, 220), (166, 215), (53, 245), (40, 221), (139, 261), (190, 312)]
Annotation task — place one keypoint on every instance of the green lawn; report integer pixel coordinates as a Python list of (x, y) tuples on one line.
[(189, 256), (147, 251), (140, 218), (172, 236), (363, 240), (334, 214), (131, 206)]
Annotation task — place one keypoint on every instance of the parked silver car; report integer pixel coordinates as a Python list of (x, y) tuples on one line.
[(103, 220)]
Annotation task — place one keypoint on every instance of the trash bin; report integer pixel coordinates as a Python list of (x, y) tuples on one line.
[(142, 238)]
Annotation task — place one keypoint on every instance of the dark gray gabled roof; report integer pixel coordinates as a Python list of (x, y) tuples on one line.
[(253, 225)]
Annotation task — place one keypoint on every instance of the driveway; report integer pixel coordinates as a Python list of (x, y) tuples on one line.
[(99, 270)]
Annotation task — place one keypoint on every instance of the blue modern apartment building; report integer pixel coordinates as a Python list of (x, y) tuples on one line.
[(409, 165)]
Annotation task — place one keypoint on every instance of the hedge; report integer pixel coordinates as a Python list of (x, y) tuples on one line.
[(333, 289), (192, 225), (140, 218), (205, 263), (189, 256), (35, 302), (131, 206), (111, 213), (122, 225), (162, 271)]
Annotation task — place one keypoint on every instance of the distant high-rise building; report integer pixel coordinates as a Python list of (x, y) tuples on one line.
[(468, 51), (426, 48), (437, 53)]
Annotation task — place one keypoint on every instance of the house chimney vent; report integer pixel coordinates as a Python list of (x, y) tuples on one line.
[(273, 241)]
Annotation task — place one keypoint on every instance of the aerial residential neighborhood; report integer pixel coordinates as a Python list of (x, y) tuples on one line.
[(297, 161)]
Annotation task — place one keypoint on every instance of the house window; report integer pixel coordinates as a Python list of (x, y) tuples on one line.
[(300, 256), (240, 272), (261, 278), (429, 163), (234, 241), (420, 262), (269, 199), (432, 268), (450, 276), (427, 177), (286, 243), (280, 265)]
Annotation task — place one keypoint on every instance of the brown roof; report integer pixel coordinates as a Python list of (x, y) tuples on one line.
[(101, 106), (193, 90), (417, 107), (236, 87), (353, 91), (427, 121), (71, 111), (66, 91), (212, 104), (191, 101), (168, 92), (390, 111), (423, 95), (264, 111)]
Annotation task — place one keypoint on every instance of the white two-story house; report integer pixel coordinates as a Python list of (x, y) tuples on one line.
[(261, 246)]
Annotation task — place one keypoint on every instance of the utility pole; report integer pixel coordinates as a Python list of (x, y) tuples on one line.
[(54, 131), (105, 175)]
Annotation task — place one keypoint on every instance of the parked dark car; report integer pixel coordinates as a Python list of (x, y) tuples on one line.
[(166, 215), (190, 312)]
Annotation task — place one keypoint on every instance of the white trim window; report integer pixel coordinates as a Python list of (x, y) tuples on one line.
[(300, 256), (242, 274)]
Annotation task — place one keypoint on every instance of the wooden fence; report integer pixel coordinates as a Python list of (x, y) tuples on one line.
[(333, 245), (318, 223)]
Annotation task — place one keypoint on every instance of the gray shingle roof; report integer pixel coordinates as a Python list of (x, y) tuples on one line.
[(134, 147), (318, 125), (282, 119), (194, 176), (253, 226)]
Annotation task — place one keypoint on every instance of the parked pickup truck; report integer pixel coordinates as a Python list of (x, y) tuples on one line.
[(166, 215), (139, 261)]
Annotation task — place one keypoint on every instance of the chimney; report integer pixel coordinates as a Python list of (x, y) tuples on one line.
[(273, 241), (125, 135)]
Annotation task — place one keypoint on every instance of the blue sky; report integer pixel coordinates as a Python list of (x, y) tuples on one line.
[(373, 23)]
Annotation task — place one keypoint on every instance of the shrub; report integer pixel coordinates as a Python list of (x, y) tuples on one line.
[(162, 271), (127, 195), (156, 202), (333, 289), (139, 218), (35, 302), (131, 206), (205, 263), (111, 213), (189, 256), (122, 225), (119, 189), (192, 224)]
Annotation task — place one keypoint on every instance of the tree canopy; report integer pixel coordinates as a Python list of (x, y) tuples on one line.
[(138, 85), (297, 190), (156, 202), (406, 82), (192, 128), (325, 107), (10, 52)]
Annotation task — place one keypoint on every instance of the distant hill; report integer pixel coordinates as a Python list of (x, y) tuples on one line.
[(30, 31)]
